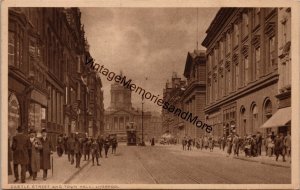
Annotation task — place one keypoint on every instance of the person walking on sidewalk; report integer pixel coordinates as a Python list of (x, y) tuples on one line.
[(65, 142), (106, 145), (20, 146), (211, 143), (236, 144), (229, 144), (95, 151), (60, 145), (100, 142), (288, 143), (46, 152), (279, 148), (71, 147), (259, 141), (189, 143), (34, 151), (223, 141), (114, 144), (184, 142), (270, 145), (86, 148), (78, 150)]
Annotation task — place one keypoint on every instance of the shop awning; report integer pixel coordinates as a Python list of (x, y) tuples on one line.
[(280, 118)]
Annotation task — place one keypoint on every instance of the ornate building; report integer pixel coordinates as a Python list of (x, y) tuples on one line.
[(46, 47), (120, 115), (244, 71)]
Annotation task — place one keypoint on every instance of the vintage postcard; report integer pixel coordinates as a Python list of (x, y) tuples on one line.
[(150, 94)]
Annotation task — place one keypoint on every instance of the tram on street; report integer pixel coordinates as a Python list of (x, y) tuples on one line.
[(131, 135)]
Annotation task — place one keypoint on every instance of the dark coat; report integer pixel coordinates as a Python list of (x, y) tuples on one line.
[(34, 152), (71, 144), (78, 149), (20, 146), (45, 153)]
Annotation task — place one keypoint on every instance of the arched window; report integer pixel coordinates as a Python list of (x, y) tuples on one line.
[(267, 111), (243, 121), (254, 117)]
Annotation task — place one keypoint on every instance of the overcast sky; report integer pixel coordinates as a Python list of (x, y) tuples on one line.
[(144, 43)]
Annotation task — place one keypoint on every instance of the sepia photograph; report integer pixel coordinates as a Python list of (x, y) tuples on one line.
[(118, 96)]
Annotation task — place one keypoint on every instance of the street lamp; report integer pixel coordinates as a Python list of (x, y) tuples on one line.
[(142, 143)]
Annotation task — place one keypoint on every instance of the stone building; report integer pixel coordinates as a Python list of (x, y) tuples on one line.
[(194, 95), (244, 70), (120, 115), (46, 47), (172, 94)]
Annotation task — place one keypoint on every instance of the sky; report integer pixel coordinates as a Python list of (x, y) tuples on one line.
[(146, 44)]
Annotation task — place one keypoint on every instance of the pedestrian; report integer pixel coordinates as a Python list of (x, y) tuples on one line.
[(86, 148), (288, 143), (106, 145), (211, 143), (95, 151), (65, 139), (236, 144), (46, 152), (189, 143), (20, 146), (184, 142), (229, 144), (223, 142), (100, 141), (152, 141), (205, 142), (247, 146), (259, 142), (35, 148), (270, 145), (60, 145), (71, 147), (78, 150), (279, 148), (114, 144)]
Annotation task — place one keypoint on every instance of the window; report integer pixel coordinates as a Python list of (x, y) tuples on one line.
[(228, 42), (245, 24), (221, 50), (272, 55), (11, 48), (237, 75), (246, 66), (256, 17), (257, 62), (236, 35), (254, 117)]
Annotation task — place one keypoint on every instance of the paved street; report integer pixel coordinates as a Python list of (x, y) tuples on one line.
[(171, 165)]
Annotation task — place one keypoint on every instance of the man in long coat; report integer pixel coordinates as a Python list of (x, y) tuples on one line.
[(100, 141), (71, 146), (45, 153), (34, 153), (20, 146), (78, 150)]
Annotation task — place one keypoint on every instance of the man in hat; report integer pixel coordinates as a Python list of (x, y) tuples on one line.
[(34, 153), (45, 153), (71, 146), (20, 146), (78, 150)]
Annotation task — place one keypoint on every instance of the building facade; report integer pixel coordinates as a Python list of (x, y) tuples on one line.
[(244, 70), (194, 96), (121, 116), (46, 47)]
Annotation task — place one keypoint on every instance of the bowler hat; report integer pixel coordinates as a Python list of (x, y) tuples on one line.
[(44, 130), (31, 131), (19, 129)]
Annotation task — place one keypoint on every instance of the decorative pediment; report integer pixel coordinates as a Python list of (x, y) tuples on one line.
[(270, 29), (256, 40)]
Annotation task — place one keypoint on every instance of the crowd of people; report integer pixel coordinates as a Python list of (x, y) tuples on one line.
[(33, 153), (251, 145)]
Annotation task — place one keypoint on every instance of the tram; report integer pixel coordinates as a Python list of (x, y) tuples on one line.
[(131, 135)]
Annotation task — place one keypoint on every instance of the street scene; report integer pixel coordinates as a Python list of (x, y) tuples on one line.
[(149, 95)]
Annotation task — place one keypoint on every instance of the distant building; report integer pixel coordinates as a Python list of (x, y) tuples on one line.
[(245, 76), (120, 115)]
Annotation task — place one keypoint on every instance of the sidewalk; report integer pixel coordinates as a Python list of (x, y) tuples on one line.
[(260, 159), (63, 171)]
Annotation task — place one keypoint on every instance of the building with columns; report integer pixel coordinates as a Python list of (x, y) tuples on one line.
[(120, 115), (248, 71)]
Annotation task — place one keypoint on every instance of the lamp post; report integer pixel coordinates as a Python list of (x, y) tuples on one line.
[(142, 143)]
